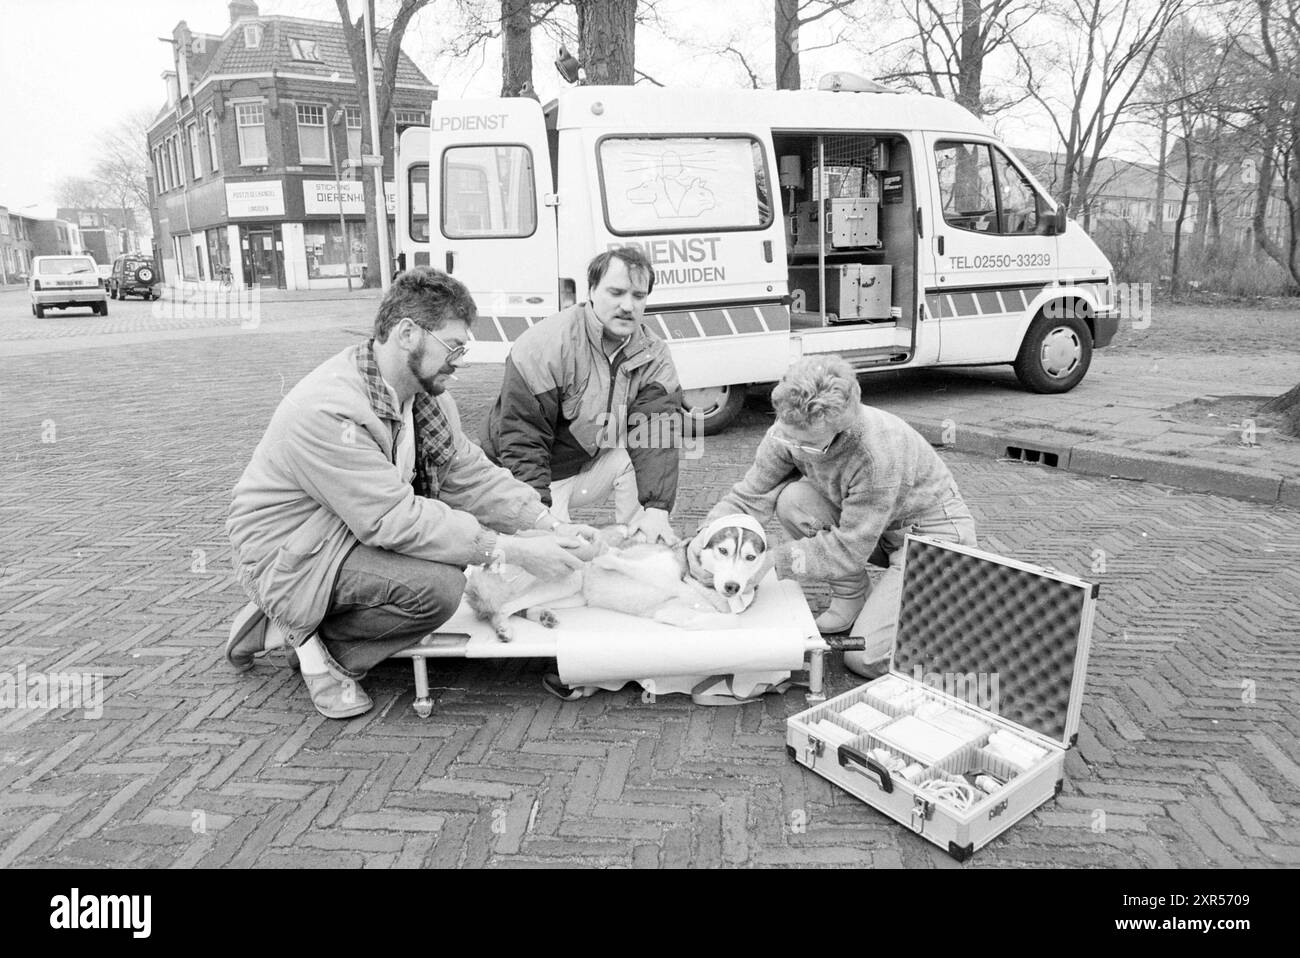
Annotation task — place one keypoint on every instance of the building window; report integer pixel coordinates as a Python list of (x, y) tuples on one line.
[(313, 145), (218, 249), (301, 49), (252, 133), (354, 134), (192, 134), (412, 118), (252, 36), (328, 250), (214, 146)]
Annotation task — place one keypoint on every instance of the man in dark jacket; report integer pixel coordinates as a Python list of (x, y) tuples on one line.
[(590, 403)]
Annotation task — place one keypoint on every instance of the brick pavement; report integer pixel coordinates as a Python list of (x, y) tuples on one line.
[(114, 562)]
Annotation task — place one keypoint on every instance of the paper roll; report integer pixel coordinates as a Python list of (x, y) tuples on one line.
[(587, 658)]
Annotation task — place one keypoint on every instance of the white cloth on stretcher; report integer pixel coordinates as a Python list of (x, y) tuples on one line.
[(601, 649)]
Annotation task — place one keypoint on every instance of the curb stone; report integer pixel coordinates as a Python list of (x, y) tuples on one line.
[(1103, 459)]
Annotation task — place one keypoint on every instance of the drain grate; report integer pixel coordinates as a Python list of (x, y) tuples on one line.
[(1039, 456)]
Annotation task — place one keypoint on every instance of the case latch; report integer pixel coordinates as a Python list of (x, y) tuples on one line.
[(813, 750), (922, 812), (997, 809)]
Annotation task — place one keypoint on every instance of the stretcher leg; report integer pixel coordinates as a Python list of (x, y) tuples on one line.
[(423, 701), (816, 676)]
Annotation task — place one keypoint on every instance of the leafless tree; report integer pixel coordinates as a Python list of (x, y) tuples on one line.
[(791, 16), (949, 43), (1106, 49), (1277, 57), (387, 47)]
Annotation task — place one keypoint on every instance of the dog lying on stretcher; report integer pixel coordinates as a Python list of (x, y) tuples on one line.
[(629, 575)]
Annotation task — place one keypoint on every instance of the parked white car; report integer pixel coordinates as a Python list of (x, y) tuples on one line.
[(59, 282)]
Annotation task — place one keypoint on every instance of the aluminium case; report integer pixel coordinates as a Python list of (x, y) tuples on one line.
[(1019, 634)]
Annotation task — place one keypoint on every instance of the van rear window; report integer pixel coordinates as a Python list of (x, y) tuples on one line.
[(66, 265), (488, 192), (680, 184)]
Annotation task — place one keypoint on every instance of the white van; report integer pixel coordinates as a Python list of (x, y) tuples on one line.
[(891, 229)]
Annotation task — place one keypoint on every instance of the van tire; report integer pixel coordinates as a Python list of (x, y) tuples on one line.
[(39, 310), (1057, 349), (721, 409)]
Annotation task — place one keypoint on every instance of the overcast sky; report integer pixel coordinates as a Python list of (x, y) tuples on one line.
[(70, 68)]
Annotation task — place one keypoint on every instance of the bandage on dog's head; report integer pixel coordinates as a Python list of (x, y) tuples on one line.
[(733, 521), (733, 555)]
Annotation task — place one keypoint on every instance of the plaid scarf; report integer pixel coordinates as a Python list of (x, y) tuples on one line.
[(434, 446)]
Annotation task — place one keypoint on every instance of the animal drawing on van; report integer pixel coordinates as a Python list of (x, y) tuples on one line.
[(674, 193)]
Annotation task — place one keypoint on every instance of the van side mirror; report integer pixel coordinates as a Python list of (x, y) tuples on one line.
[(1058, 225)]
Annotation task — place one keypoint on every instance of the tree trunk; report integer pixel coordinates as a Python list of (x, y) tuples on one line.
[(1162, 175), (1287, 406), (607, 41), (971, 69), (786, 34), (516, 48), (1182, 214)]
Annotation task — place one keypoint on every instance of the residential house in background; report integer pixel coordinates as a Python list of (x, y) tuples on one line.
[(32, 232), (242, 157), (1122, 204), (106, 233)]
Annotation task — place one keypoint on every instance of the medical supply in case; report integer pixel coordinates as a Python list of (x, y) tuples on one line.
[(864, 717), (991, 655)]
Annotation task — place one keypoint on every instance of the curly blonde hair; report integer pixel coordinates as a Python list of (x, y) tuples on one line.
[(816, 389)]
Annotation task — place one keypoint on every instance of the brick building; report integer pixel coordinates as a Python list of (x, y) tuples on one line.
[(105, 233), (26, 235), (242, 156)]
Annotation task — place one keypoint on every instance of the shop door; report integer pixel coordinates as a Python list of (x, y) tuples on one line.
[(263, 256)]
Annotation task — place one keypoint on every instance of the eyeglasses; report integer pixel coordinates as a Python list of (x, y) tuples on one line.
[(453, 352), (810, 450)]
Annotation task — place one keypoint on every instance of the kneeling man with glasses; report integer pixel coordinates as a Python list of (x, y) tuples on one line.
[(847, 482), (364, 501)]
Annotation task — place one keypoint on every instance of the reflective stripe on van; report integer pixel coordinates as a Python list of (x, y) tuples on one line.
[(994, 300), (670, 325)]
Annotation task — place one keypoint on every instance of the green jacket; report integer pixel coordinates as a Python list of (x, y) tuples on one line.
[(323, 478)]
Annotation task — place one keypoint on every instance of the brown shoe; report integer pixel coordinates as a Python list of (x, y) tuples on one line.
[(336, 696)]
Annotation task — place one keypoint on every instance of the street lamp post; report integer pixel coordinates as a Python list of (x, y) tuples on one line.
[(381, 200), (338, 117)]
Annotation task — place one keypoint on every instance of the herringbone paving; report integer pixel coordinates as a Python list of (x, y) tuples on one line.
[(118, 466)]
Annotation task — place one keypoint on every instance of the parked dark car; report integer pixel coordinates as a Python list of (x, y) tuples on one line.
[(133, 274)]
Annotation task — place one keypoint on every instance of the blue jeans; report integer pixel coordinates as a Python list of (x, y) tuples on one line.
[(384, 602)]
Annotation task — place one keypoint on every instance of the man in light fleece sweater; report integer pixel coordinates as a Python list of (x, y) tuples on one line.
[(843, 479)]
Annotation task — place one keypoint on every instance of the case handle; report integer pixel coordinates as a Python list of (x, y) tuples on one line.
[(851, 756)]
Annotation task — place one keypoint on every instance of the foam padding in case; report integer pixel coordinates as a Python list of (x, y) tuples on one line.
[(962, 614)]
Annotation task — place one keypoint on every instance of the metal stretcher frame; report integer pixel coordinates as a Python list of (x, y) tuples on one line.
[(466, 637)]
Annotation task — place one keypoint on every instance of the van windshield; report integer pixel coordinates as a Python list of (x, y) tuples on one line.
[(677, 184), (66, 265)]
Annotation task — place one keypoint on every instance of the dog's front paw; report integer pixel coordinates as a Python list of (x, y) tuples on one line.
[(504, 630)]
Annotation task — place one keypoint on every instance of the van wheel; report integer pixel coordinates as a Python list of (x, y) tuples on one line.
[(1057, 350), (40, 311), (715, 408)]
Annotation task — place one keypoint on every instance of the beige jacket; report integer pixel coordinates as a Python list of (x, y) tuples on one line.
[(323, 479)]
